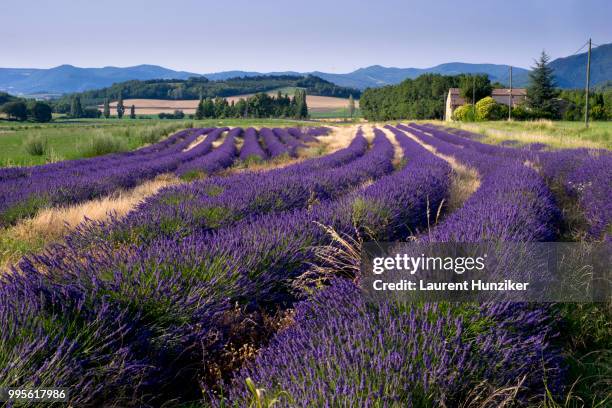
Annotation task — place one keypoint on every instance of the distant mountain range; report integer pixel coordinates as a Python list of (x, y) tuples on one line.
[(569, 72), (68, 78)]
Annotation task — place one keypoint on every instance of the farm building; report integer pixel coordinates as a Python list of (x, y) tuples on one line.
[(502, 95)]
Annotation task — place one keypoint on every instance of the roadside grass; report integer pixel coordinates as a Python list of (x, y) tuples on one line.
[(556, 134), (340, 113), (68, 139), (28, 144)]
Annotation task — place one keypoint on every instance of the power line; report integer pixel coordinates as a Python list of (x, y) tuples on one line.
[(580, 49)]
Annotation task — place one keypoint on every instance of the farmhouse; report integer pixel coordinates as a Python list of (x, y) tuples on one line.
[(502, 95)]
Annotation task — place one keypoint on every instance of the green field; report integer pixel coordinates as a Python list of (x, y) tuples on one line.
[(341, 113), (560, 135), (73, 139)]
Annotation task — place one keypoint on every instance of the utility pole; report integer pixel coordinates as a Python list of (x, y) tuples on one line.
[(588, 80), (510, 97)]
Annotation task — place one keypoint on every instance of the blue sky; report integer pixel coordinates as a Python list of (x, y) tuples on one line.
[(273, 35)]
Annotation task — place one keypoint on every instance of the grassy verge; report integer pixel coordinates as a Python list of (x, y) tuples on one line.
[(28, 144), (558, 135), (340, 113)]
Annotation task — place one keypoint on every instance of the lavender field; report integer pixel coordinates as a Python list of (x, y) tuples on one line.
[(238, 285)]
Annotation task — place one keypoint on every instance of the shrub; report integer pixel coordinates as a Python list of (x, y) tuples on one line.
[(178, 114), (103, 143), (41, 112), (92, 113), (36, 145), (598, 113), (519, 112), (488, 109), (464, 113), (152, 134), (16, 110)]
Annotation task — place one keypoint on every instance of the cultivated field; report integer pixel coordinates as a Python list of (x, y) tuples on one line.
[(68, 139), (316, 104), (220, 266)]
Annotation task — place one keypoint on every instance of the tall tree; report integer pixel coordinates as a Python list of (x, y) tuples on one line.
[(132, 112), (106, 108), (351, 106), (76, 110), (301, 108), (15, 109), (41, 112), (541, 92), (199, 113), (209, 108), (120, 107), (475, 85), (304, 107), (220, 105)]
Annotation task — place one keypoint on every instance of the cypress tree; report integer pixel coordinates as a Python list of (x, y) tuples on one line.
[(106, 108), (132, 112), (541, 92), (209, 108), (120, 107), (302, 107), (76, 110), (199, 113)]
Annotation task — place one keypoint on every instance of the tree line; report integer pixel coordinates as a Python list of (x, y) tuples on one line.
[(419, 98), (260, 105), (23, 109), (424, 98), (193, 88)]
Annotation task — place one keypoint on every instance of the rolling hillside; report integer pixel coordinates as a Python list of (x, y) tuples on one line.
[(193, 88), (570, 73), (68, 78), (316, 104)]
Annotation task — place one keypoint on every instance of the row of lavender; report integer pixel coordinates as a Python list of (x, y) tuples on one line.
[(144, 317), (583, 174), (395, 355), (23, 191), (215, 202), (170, 313), (73, 181)]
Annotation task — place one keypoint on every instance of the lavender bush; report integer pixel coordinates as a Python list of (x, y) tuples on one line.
[(25, 191), (251, 149)]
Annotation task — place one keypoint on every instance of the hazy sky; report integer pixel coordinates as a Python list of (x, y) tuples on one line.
[(274, 35)]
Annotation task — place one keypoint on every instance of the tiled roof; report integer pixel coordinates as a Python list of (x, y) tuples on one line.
[(506, 91), (500, 91)]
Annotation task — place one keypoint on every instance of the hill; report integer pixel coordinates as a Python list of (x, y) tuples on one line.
[(570, 73), (68, 78), (192, 88)]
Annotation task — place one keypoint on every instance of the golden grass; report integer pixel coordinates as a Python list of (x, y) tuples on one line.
[(558, 135), (339, 137), (196, 142), (52, 224), (398, 153), (219, 140), (465, 179)]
